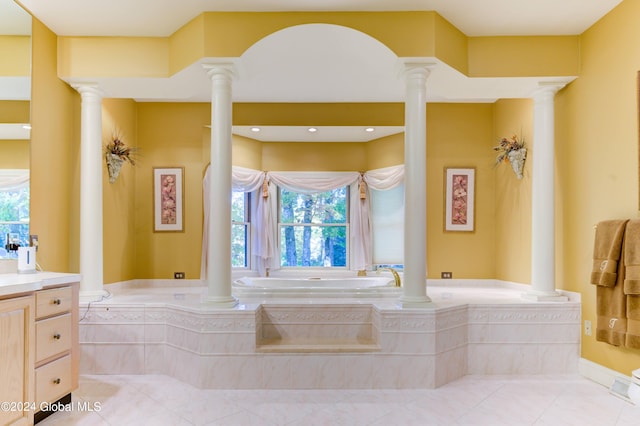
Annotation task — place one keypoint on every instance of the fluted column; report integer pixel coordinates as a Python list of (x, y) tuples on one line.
[(91, 160), (219, 259), (414, 292), (543, 286)]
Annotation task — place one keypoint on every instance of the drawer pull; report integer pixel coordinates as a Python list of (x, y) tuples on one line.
[(56, 301), (56, 381), (56, 336)]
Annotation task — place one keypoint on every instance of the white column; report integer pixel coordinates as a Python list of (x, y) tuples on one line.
[(219, 260), (542, 155), (414, 292), (91, 161)]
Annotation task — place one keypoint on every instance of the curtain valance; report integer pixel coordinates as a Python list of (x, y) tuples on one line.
[(265, 208), (12, 179)]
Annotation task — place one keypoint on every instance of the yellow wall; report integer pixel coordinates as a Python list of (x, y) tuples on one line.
[(385, 152), (523, 56), (597, 157), (55, 157), (513, 196), (169, 135), (119, 117), (325, 156), (460, 135), (14, 111), (15, 56), (14, 154), (230, 34), (113, 56), (246, 152), (415, 39)]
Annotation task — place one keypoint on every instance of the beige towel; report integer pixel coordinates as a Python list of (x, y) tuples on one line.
[(611, 309), (607, 251), (632, 257), (632, 283), (632, 338)]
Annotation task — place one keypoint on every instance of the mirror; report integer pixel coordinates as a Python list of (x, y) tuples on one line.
[(15, 96)]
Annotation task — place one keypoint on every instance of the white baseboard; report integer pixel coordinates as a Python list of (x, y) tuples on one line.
[(599, 374)]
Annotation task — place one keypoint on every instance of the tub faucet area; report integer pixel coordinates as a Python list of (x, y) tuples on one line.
[(396, 276)]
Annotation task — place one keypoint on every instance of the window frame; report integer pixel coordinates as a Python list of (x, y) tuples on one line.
[(14, 255), (248, 229), (346, 225)]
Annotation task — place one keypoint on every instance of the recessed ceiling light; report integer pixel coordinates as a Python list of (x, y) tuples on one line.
[(369, 129), (255, 129), (312, 129)]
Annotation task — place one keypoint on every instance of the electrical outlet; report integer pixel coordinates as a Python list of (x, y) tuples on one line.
[(446, 275), (587, 328), (178, 275)]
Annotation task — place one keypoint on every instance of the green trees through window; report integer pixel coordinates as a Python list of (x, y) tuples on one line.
[(14, 219), (240, 230), (313, 228)]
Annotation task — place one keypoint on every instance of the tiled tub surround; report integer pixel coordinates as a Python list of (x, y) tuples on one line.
[(475, 327)]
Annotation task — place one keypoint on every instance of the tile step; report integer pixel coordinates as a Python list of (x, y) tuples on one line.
[(317, 346)]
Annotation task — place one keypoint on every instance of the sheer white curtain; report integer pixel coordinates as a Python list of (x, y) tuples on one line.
[(242, 179), (264, 222), (12, 179), (361, 226), (264, 213)]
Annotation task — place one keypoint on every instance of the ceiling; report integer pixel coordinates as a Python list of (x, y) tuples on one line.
[(13, 20), (317, 62), (472, 17)]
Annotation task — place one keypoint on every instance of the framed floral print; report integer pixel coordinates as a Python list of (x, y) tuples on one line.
[(459, 199), (168, 199)]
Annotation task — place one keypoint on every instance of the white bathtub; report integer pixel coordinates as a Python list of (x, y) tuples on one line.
[(247, 287)]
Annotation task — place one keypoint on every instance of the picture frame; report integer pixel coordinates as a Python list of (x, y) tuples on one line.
[(459, 200), (168, 199)]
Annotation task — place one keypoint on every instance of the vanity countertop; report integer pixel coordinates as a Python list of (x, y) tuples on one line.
[(11, 284)]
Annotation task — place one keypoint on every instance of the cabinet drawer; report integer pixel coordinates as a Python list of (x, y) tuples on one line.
[(53, 301), (53, 336), (53, 380)]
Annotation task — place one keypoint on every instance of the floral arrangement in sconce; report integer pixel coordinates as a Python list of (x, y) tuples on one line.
[(116, 153), (512, 150)]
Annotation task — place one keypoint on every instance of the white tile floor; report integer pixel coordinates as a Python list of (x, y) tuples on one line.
[(473, 400)]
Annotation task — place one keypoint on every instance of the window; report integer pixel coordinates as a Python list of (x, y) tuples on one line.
[(240, 230), (387, 222), (313, 228), (14, 220)]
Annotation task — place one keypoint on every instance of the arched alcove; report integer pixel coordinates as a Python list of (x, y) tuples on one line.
[(318, 63)]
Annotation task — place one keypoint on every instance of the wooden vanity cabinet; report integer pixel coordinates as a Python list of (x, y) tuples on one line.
[(17, 352), (39, 348), (56, 348)]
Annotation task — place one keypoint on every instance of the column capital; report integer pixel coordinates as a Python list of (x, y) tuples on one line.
[(411, 67), (225, 68), (88, 89), (547, 88)]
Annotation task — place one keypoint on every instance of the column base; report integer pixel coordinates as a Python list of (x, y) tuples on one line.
[(544, 296), (90, 296), (416, 302), (223, 302)]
